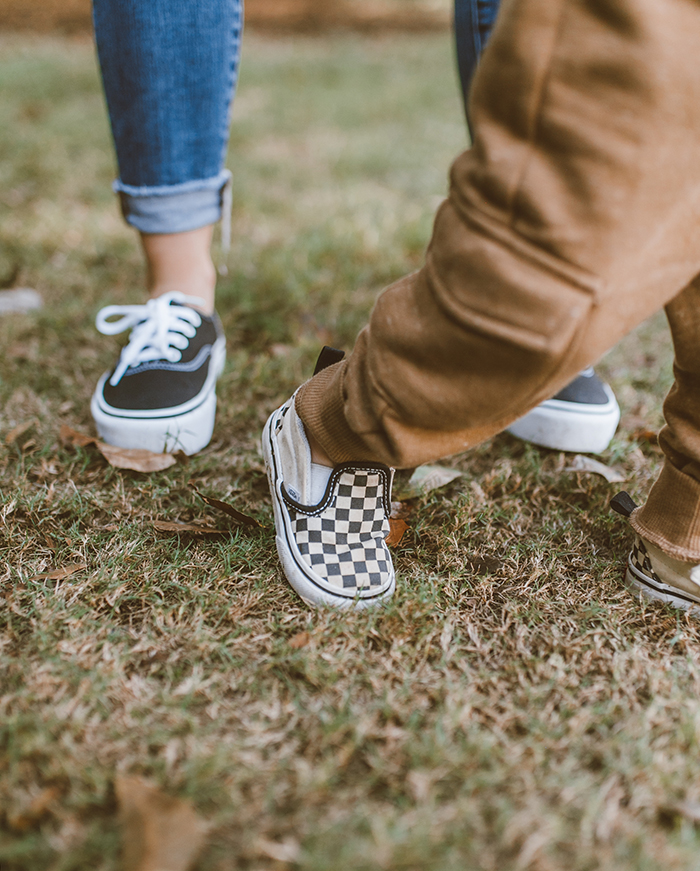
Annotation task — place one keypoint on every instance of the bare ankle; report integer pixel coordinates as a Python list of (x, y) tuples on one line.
[(181, 262)]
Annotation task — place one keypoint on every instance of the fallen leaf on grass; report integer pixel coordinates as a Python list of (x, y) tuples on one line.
[(237, 515), (301, 639), (136, 459), (281, 851), (647, 437), (18, 431), (187, 528), (427, 478), (397, 527), (60, 574), (72, 438), (644, 435), (159, 832), (37, 810), (688, 809), (588, 464)]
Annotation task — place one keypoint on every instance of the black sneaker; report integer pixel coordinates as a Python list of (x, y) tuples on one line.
[(161, 394), (582, 417), (331, 523)]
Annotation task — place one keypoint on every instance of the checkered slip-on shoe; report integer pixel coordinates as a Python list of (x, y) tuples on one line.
[(653, 574), (161, 395), (582, 417), (330, 541)]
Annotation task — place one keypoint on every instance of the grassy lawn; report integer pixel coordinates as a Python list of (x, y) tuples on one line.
[(513, 708)]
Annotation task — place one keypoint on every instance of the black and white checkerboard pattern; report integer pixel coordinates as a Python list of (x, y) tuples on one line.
[(640, 560), (344, 542)]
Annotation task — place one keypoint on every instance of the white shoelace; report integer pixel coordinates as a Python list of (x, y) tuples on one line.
[(161, 331)]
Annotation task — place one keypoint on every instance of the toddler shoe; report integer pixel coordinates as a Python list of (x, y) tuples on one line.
[(331, 523), (653, 574)]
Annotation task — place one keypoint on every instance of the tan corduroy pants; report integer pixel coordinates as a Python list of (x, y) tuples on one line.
[(575, 215)]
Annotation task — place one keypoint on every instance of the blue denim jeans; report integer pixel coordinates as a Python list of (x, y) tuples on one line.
[(169, 72), (169, 69), (474, 20)]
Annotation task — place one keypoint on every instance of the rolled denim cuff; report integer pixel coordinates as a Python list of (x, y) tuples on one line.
[(173, 208)]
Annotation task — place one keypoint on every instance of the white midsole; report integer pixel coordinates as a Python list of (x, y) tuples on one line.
[(660, 592), (584, 429), (187, 427)]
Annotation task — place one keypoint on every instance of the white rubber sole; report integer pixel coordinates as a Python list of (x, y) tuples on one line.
[(187, 428), (641, 585), (583, 429), (295, 569)]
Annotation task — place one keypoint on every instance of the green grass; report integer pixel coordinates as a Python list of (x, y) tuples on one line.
[(513, 708)]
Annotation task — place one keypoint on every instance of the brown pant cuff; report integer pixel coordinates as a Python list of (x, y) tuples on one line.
[(671, 517), (321, 406)]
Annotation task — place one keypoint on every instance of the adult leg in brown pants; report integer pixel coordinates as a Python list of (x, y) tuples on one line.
[(574, 217)]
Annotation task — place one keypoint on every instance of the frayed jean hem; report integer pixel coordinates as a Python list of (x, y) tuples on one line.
[(173, 208)]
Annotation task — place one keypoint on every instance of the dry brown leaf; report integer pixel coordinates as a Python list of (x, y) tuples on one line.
[(237, 515), (72, 438), (19, 431), (60, 574), (643, 434), (397, 527), (159, 832), (37, 810), (301, 639), (187, 528), (135, 459), (648, 437), (580, 463)]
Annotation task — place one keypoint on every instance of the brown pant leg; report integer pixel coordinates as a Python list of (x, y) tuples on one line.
[(572, 219), (671, 516)]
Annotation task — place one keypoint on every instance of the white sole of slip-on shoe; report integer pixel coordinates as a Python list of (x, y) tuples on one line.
[(332, 553), (653, 574), (642, 577)]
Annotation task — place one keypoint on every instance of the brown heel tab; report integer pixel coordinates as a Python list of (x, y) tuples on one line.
[(623, 503), (328, 357)]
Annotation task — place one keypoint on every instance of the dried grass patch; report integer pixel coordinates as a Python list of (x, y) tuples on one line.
[(513, 708)]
